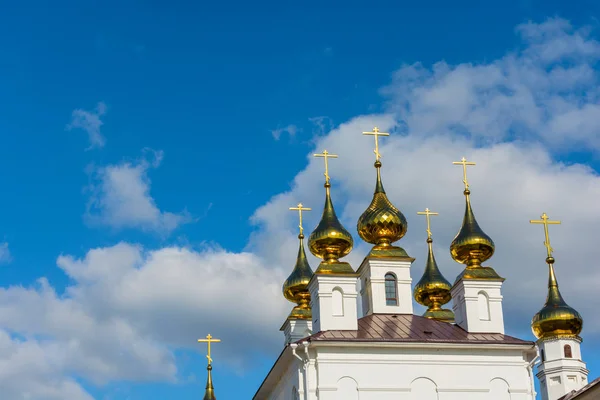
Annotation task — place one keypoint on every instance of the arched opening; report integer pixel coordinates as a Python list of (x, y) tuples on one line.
[(568, 351), (423, 389), (391, 289), (295, 395), (483, 304), (347, 389), (499, 389), (542, 355), (337, 302)]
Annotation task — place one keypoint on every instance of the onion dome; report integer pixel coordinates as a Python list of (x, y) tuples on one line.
[(330, 240), (433, 290), (209, 394), (556, 318), (381, 224), (295, 288), (472, 246)]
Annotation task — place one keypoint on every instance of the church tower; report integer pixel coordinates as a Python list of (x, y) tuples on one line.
[(333, 285), (557, 327), (299, 323), (385, 272), (433, 290), (476, 294)]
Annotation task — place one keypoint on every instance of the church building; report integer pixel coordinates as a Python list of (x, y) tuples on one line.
[(352, 333)]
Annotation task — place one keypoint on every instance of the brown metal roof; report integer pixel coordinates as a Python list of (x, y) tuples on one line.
[(576, 393), (411, 328)]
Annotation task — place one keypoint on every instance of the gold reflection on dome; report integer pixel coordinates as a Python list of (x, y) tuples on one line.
[(330, 241), (295, 288), (433, 290), (556, 319), (382, 223), (472, 246)]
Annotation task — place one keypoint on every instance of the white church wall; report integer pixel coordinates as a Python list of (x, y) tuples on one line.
[(290, 380), (427, 373)]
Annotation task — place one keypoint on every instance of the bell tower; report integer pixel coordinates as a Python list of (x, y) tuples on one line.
[(557, 327), (385, 272), (476, 293)]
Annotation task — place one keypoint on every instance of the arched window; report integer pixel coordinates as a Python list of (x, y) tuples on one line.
[(295, 395), (337, 302), (568, 352), (542, 355), (484, 306), (391, 290)]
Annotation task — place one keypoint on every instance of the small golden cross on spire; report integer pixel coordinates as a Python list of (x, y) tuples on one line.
[(209, 339), (545, 221), (464, 163), (300, 208), (325, 154), (427, 213), (376, 133)]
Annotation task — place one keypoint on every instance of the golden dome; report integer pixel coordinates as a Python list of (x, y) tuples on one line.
[(556, 318), (209, 394), (471, 246), (433, 290), (295, 288), (330, 240), (381, 224)]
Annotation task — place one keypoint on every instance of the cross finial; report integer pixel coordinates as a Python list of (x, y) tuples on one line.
[(545, 221), (209, 339), (464, 163), (427, 213), (300, 208), (326, 155), (376, 133)]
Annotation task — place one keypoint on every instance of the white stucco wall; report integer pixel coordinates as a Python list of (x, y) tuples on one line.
[(427, 373)]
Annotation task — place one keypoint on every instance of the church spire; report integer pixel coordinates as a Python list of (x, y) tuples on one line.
[(472, 246), (556, 319), (209, 394), (295, 288), (382, 223), (330, 240), (433, 290)]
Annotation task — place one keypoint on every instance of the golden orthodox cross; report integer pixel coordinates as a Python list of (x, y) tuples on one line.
[(427, 213), (464, 163), (325, 154), (209, 339), (545, 221), (300, 208), (376, 133)]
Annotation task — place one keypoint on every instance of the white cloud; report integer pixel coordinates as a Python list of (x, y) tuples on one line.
[(322, 124), (91, 123), (124, 313), (120, 198), (5, 256), (291, 130), (128, 308), (545, 92)]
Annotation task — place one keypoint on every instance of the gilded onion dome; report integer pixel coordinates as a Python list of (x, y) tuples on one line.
[(433, 290), (295, 288), (330, 240), (381, 224), (556, 318), (209, 394), (472, 246)]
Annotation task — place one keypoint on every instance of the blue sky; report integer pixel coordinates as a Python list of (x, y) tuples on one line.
[(150, 152)]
